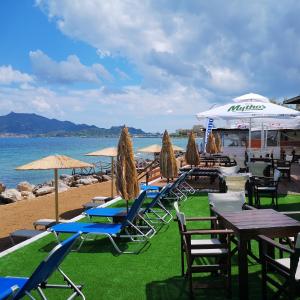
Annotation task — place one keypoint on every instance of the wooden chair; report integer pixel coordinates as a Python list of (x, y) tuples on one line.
[(287, 268), (267, 186), (205, 255)]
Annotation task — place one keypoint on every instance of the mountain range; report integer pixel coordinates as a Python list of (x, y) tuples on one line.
[(24, 124)]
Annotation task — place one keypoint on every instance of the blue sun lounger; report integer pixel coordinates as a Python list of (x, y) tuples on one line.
[(155, 207), (110, 230), (18, 287)]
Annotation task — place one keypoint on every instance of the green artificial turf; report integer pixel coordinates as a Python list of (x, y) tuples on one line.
[(152, 274)]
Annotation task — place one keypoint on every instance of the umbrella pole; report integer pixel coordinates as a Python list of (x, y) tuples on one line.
[(56, 194), (112, 177), (249, 143)]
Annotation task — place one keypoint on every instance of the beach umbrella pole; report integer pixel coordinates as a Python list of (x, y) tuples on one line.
[(112, 177), (249, 143), (56, 193)]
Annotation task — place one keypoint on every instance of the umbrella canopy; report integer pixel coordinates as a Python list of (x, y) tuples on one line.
[(211, 144), (192, 156), (55, 162), (249, 107), (218, 141), (251, 97), (126, 181), (155, 148), (248, 110), (111, 152), (168, 165)]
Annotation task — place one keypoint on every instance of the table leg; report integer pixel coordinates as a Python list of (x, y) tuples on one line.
[(243, 269)]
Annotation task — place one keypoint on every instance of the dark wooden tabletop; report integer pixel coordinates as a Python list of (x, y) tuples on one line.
[(250, 223)]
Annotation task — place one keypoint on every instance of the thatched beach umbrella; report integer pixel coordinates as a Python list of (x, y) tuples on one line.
[(155, 148), (126, 181), (110, 152), (55, 162), (218, 142), (168, 165), (192, 156), (211, 144)]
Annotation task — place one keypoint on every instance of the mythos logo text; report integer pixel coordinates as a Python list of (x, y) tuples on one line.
[(246, 107)]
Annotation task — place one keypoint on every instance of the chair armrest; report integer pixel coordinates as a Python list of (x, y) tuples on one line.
[(202, 219), (275, 244), (207, 231), (290, 212)]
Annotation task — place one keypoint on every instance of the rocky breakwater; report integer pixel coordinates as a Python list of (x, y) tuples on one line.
[(25, 190)]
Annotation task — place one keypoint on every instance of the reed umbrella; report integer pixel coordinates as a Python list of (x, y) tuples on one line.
[(211, 145), (168, 165), (192, 156), (155, 149), (55, 162), (112, 153), (126, 181), (218, 142)]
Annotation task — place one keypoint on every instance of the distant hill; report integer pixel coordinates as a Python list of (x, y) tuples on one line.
[(34, 125)]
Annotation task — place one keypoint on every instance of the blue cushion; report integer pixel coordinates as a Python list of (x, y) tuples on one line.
[(107, 212), (85, 228), (9, 284)]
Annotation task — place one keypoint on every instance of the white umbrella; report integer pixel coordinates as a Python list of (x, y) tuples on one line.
[(249, 106)]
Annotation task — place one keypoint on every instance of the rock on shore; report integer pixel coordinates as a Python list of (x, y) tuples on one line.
[(25, 190)]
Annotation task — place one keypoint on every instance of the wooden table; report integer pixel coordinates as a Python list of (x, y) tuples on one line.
[(247, 225)]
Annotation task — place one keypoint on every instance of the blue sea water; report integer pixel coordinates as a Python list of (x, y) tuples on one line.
[(15, 152)]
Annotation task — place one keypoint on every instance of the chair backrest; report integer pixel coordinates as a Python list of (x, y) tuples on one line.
[(257, 168), (135, 208), (227, 202), (289, 158), (236, 183), (228, 170), (180, 218), (48, 266), (164, 191)]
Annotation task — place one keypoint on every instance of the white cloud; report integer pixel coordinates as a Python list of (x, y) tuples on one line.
[(132, 105), (122, 74), (68, 71), (8, 76), (169, 40)]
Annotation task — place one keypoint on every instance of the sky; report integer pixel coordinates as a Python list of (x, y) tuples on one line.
[(147, 64)]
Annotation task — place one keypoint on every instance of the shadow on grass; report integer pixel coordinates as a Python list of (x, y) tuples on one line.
[(177, 288)]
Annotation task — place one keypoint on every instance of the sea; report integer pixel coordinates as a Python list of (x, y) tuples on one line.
[(15, 152)]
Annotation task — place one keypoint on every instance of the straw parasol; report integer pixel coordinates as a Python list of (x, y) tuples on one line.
[(218, 142), (110, 152), (155, 148), (211, 145), (126, 181), (55, 162), (192, 156), (168, 165)]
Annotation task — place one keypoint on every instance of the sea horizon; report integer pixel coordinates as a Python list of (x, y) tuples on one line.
[(16, 151)]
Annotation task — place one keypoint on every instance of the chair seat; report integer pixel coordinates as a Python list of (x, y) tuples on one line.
[(208, 252), (87, 228), (205, 242), (266, 188), (286, 263)]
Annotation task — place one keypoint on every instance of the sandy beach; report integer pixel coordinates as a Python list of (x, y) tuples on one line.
[(21, 215)]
